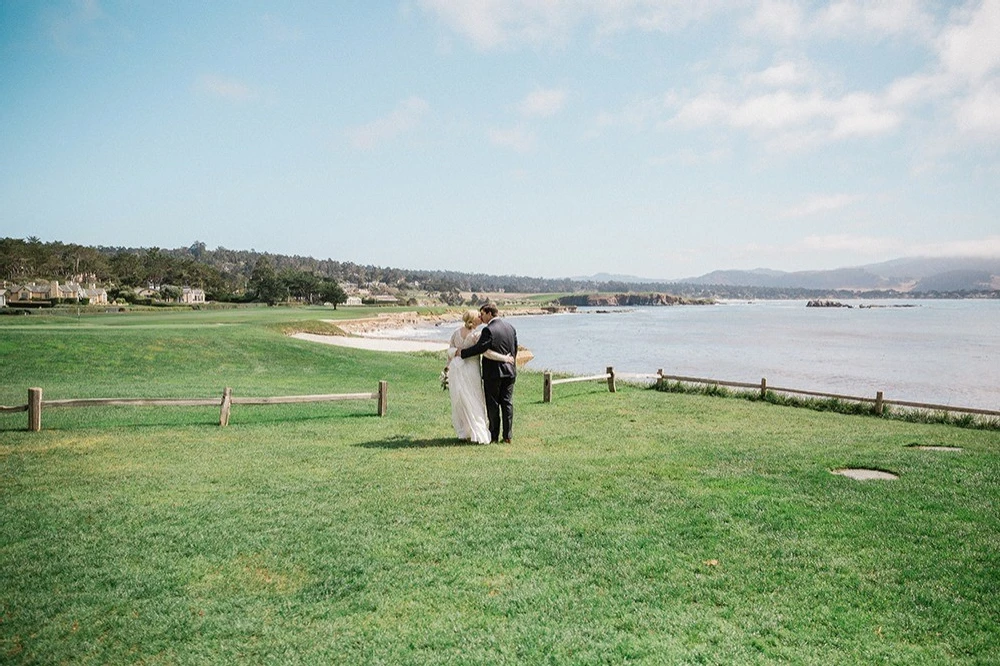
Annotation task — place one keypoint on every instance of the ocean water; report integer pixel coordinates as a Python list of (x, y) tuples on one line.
[(935, 351)]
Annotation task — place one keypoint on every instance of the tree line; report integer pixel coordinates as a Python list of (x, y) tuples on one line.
[(241, 275), (227, 274), (224, 275)]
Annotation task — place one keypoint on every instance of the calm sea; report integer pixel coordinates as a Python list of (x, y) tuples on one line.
[(934, 351)]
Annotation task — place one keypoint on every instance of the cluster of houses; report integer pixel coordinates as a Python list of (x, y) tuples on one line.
[(74, 291), (50, 291), (357, 295)]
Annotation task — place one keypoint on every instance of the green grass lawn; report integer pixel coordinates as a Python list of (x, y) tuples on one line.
[(635, 527)]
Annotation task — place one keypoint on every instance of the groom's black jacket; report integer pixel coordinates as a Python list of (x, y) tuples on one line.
[(501, 338)]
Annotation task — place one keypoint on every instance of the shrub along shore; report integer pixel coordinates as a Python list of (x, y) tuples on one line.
[(639, 526)]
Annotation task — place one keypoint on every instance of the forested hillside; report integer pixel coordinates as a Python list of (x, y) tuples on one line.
[(230, 275)]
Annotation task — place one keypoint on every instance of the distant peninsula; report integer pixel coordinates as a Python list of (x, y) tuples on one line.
[(612, 300)]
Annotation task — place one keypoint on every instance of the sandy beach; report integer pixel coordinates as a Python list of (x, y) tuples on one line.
[(374, 344), (370, 332)]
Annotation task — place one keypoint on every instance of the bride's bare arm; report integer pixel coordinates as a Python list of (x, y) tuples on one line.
[(497, 356)]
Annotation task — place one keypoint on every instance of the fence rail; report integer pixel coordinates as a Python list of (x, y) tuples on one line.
[(548, 382), (879, 401), (36, 403)]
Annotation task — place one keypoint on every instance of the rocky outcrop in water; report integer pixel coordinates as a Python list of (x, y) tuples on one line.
[(827, 304)]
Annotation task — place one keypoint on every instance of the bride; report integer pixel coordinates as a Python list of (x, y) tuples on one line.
[(465, 382)]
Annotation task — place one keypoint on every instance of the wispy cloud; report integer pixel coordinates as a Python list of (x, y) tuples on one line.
[(77, 23), (851, 249), (969, 47), (982, 247), (884, 246), (224, 88), (791, 21), (862, 246), (278, 30), (820, 204), (979, 113), (689, 157), (792, 119), (542, 103), (782, 75), (517, 139), (407, 116), (490, 24)]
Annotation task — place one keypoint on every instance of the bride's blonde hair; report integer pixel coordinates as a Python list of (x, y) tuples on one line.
[(469, 317)]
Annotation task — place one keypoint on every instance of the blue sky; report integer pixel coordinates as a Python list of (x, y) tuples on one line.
[(551, 138)]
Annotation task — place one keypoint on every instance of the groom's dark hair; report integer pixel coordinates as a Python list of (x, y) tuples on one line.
[(489, 308)]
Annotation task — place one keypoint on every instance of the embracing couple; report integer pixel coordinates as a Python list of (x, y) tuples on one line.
[(482, 399)]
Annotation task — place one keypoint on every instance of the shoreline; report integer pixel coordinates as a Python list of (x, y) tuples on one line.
[(389, 321), (373, 344), (364, 333)]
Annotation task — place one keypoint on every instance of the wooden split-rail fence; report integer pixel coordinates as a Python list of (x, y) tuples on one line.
[(36, 403), (548, 382), (879, 401)]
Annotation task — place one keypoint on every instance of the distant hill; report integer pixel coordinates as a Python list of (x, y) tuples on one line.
[(614, 277), (914, 274)]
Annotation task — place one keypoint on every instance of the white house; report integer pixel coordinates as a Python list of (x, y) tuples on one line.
[(96, 295), (3, 298), (353, 300), (189, 295)]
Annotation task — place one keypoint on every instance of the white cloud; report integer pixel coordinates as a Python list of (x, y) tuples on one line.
[(516, 138), (790, 119), (861, 114), (879, 18), (782, 75), (232, 90), (542, 103), (777, 17), (820, 204), (971, 47), (873, 19), (490, 24), (979, 113), (404, 118), (982, 247)]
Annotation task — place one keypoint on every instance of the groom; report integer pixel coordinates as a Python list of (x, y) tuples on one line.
[(498, 377)]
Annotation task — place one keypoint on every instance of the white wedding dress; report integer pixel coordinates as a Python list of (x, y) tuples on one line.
[(465, 384)]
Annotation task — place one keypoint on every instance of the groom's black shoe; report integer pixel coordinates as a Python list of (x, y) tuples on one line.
[(506, 440)]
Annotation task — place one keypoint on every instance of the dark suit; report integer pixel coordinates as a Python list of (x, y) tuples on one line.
[(498, 378)]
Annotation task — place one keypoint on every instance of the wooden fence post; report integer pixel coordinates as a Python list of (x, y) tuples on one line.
[(34, 409), (878, 403), (659, 378), (611, 379), (383, 397), (547, 387), (227, 403), (763, 388)]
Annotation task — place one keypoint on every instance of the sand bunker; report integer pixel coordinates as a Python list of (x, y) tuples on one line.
[(862, 474), (935, 448)]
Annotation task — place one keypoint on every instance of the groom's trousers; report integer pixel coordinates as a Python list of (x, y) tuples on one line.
[(500, 406)]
